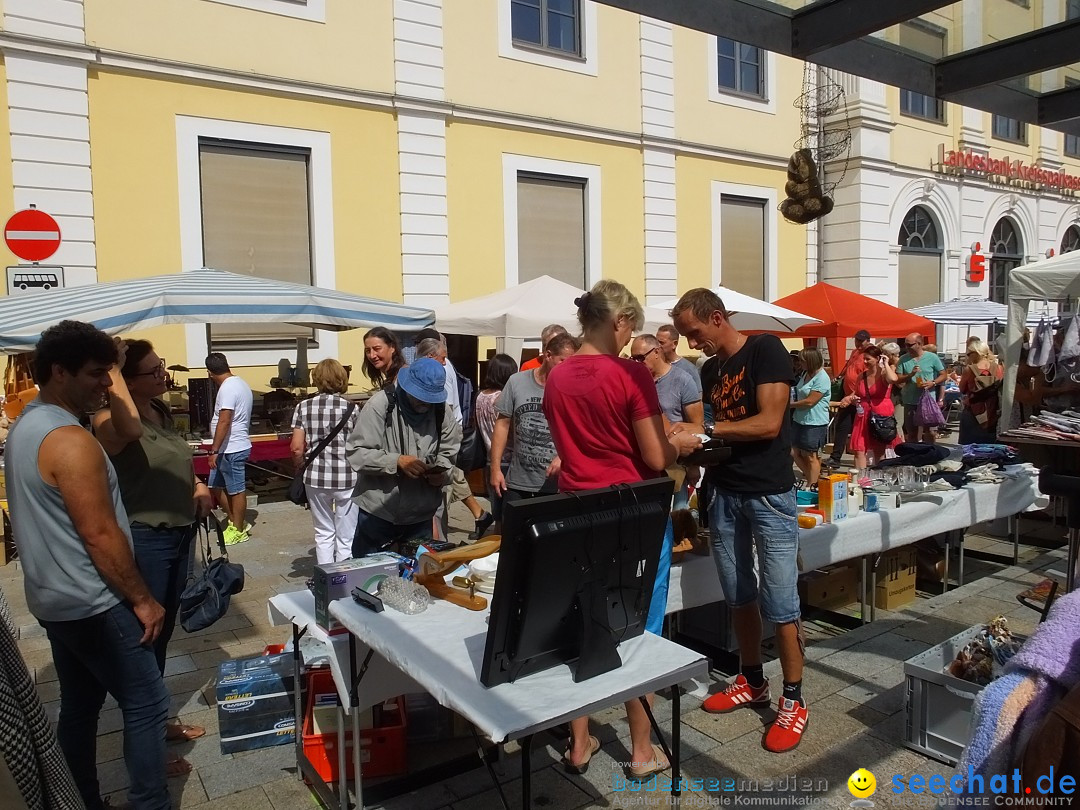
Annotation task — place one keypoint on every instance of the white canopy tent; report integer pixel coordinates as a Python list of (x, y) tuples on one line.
[(1049, 280), (521, 312)]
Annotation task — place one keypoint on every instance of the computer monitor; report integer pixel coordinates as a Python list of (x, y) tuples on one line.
[(575, 578)]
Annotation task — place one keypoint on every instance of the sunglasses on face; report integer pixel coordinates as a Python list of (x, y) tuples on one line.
[(640, 358), (911, 345)]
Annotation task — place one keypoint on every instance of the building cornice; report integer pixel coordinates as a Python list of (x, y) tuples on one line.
[(51, 48)]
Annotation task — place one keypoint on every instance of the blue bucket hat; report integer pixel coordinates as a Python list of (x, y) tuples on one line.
[(425, 379)]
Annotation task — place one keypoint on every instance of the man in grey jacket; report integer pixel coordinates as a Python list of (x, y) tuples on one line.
[(403, 447)]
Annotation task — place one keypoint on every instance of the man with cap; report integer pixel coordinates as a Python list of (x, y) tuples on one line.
[(403, 448), (845, 417)]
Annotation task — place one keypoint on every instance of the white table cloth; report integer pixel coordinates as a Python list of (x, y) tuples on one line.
[(694, 581), (443, 647)]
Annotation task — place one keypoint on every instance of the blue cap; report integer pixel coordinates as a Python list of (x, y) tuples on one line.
[(425, 379)]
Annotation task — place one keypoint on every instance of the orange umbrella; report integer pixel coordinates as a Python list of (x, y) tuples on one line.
[(843, 313)]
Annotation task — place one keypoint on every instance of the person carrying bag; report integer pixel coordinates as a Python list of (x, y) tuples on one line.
[(297, 489), (206, 597)]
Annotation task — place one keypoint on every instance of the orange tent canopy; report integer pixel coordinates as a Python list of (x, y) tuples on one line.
[(843, 313)]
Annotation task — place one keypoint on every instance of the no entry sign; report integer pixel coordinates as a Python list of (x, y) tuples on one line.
[(32, 235)]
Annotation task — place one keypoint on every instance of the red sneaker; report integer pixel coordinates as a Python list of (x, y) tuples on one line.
[(786, 731), (738, 694)]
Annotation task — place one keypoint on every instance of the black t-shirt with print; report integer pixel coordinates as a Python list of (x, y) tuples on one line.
[(760, 467)]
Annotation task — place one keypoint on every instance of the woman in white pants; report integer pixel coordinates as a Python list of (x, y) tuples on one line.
[(329, 478)]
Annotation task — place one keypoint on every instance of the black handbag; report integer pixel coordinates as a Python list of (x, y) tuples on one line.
[(473, 453), (206, 597), (297, 488), (882, 428)]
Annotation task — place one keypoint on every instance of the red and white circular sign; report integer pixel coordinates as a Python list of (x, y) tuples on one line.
[(32, 235)]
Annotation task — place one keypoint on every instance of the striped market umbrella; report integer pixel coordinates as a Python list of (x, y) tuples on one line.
[(966, 312), (198, 296)]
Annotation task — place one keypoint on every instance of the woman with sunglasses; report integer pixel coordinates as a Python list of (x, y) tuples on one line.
[(163, 498), (605, 420)]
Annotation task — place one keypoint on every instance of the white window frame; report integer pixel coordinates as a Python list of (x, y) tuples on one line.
[(721, 96), (189, 131), (310, 10), (590, 173), (767, 195), (587, 62)]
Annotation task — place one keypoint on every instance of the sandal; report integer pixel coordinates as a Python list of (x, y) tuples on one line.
[(583, 766), (659, 764), (177, 766), (181, 732)]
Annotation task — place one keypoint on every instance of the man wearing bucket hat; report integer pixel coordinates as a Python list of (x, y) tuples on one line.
[(403, 448)]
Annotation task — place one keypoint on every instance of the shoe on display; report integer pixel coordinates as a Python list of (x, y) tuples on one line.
[(786, 731), (738, 694)]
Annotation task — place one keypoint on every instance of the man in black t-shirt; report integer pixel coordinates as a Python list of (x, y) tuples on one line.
[(747, 381)]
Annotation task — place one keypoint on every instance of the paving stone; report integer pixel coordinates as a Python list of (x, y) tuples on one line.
[(32, 630), (290, 793), (247, 770), (724, 728), (883, 692), (179, 664), (875, 654), (549, 789)]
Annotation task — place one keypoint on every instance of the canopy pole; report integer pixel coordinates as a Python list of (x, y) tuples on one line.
[(209, 341)]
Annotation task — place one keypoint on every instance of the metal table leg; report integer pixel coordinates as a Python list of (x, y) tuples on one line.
[(526, 771), (948, 556), (873, 586), (343, 775), (863, 617), (1070, 562), (1014, 529), (298, 700)]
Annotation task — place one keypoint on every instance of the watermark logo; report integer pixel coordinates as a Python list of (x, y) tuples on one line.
[(862, 785)]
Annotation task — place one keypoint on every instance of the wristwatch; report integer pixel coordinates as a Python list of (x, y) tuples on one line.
[(709, 428)]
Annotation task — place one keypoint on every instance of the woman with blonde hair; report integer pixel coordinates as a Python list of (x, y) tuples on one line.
[(329, 478), (605, 420), (980, 386)]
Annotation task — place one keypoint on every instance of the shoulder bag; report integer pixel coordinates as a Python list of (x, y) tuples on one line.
[(882, 428), (297, 489), (206, 597)]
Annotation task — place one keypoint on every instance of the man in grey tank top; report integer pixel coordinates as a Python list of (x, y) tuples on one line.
[(81, 580)]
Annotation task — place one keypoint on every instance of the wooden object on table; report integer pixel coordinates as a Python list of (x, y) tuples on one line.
[(433, 568), (19, 388)]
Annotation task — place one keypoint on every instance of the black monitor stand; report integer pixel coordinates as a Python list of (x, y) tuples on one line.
[(599, 649)]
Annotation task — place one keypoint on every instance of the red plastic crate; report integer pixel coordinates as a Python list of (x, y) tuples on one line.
[(383, 748)]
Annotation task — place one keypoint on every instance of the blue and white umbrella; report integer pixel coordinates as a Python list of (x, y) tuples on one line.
[(198, 296), (966, 312)]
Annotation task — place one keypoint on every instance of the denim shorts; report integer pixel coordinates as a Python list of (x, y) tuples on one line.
[(810, 438), (229, 474), (738, 523)]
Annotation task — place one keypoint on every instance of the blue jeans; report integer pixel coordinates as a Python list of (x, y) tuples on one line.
[(230, 473), (738, 523), (375, 534), (98, 656), (164, 557)]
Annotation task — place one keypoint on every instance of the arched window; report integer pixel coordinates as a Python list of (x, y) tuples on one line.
[(1006, 252), (1071, 240), (920, 260), (918, 230)]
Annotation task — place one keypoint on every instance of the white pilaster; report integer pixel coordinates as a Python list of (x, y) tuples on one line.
[(48, 117), (419, 74), (658, 119)]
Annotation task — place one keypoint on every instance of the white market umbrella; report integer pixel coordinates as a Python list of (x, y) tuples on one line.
[(198, 296), (748, 314), (521, 311)]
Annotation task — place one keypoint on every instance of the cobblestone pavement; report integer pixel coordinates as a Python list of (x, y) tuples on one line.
[(854, 683)]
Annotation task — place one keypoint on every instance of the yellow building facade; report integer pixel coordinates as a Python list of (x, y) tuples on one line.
[(417, 151)]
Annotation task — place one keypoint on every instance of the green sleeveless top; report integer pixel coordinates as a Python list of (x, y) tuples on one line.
[(157, 481)]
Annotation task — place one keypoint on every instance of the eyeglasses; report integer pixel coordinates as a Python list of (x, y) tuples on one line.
[(157, 371), (640, 358)]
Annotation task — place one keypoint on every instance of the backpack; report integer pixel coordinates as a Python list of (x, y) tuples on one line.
[(467, 397)]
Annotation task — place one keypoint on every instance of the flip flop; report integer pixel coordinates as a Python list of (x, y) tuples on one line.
[(659, 764), (181, 732), (177, 767), (583, 766)]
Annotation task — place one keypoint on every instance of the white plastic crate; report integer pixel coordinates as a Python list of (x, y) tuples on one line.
[(938, 706)]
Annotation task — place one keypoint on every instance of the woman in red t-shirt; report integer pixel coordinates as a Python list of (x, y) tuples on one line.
[(605, 420)]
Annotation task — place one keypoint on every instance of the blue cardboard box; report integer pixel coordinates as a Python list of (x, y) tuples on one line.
[(255, 702)]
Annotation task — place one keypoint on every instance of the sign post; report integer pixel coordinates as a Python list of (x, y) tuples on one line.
[(32, 235)]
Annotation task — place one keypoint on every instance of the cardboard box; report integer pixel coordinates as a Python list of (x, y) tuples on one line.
[(336, 581), (832, 497), (896, 579), (830, 588), (255, 702)]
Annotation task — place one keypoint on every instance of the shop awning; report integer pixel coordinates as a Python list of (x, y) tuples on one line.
[(843, 313), (199, 296), (1014, 59)]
